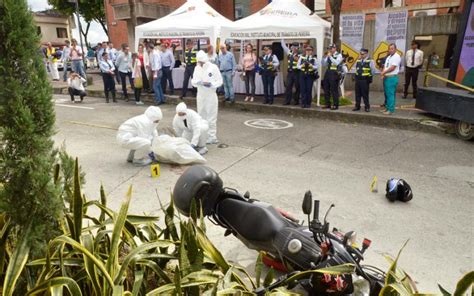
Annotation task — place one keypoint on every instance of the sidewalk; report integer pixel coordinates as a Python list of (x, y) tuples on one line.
[(406, 115)]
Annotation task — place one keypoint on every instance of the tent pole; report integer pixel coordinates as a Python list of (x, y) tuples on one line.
[(320, 57)]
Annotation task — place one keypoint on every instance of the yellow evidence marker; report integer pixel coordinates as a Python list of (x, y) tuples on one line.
[(155, 170), (374, 186)]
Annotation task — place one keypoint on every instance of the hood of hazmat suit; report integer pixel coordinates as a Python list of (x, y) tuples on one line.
[(194, 126), (138, 132)]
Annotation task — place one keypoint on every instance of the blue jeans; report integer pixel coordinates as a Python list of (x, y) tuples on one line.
[(390, 88), (228, 85), (65, 71), (78, 67), (159, 97)]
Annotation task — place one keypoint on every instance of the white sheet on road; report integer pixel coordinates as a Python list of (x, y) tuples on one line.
[(175, 150)]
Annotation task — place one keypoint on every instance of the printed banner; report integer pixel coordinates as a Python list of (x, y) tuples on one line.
[(465, 71), (352, 37), (391, 27)]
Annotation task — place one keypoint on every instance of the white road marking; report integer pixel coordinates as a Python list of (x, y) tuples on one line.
[(268, 123), (78, 107)]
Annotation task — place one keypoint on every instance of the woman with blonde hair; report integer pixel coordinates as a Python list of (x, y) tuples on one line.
[(248, 63), (137, 78)]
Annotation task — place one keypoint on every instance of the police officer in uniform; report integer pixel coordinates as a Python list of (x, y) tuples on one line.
[(363, 78), (332, 60), (308, 66), (269, 64), (293, 77), (190, 61)]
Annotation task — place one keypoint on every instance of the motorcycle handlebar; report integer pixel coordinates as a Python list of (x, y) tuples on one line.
[(316, 210)]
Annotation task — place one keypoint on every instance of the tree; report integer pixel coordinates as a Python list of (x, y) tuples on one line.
[(336, 13), (90, 10), (28, 197)]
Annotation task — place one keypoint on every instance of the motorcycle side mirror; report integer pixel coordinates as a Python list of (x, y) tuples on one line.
[(307, 203), (247, 195), (347, 236)]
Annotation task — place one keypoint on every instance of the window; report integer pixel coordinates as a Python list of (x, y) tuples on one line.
[(241, 8), (61, 32), (393, 3), (38, 30)]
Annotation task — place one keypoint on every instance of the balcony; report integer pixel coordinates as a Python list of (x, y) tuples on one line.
[(142, 10)]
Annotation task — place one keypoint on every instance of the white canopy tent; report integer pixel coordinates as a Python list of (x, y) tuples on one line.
[(281, 19), (193, 19)]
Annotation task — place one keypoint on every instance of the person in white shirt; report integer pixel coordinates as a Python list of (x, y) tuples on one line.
[(113, 55), (207, 78), (167, 63), (65, 58), (413, 63), (190, 125), (156, 68), (123, 63), (390, 77), (76, 86)]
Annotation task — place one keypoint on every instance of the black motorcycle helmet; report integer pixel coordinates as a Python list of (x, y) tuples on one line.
[(398, 189), (199, 182)]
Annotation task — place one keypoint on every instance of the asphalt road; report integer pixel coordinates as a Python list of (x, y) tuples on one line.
[(337, 161)]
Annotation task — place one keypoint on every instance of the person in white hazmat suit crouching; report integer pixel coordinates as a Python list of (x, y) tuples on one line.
[(189, 125), (137, 134), (207, 78)]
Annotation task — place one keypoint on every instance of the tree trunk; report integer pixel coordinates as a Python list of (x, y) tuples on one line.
[(104, 26), (133, 20), (336, 12), (84, 34)]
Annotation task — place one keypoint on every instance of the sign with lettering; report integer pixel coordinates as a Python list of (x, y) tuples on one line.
[(391, 27), (352, 37)]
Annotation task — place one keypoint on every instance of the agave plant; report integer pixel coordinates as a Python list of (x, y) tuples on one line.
[(118, 253), (399, 283)]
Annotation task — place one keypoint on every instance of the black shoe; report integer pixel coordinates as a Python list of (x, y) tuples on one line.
[(181, 97), (334, 107), (383, 106), (327, 107), (367, 109), (265, 102), (286, 103), (356, 109)]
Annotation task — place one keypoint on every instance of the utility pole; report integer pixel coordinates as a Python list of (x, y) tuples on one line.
[(79, 26)]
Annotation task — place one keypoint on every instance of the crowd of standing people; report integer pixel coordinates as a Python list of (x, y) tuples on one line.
[(150, 70)]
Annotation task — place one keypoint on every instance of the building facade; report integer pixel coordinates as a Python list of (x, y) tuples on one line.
[(53, 27), (119, 18)]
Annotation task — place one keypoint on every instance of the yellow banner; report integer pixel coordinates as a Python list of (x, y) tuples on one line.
[(380, 53), (350, 55)]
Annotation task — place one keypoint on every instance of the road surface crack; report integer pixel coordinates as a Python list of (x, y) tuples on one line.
[(249, 154), (309, 150), (126, 180)]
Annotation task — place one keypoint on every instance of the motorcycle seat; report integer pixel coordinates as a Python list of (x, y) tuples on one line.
[(253, 221)]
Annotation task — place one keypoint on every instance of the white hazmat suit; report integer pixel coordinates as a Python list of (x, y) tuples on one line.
[(207, 78), (137, 134), (191, 127)]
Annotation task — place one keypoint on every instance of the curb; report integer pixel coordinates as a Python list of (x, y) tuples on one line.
[(429, 126)]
